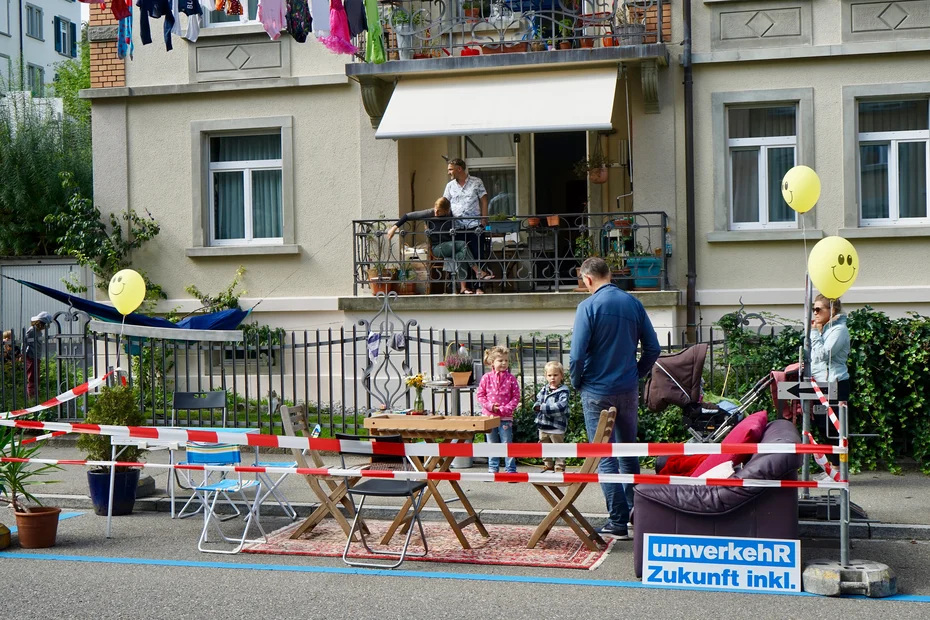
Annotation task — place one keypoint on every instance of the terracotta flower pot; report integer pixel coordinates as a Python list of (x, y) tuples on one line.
[(408, 287), (587, 42), (565, 45), (532, 222), (599, 176), (38, 528), (460, 379), (552, 220)]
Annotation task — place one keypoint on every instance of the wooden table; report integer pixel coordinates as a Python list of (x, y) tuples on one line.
[(434, 429)]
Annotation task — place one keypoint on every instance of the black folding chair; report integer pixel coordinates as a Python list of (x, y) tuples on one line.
[(382, 487)]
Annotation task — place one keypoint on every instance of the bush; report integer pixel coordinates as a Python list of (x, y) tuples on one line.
[(118, 406)]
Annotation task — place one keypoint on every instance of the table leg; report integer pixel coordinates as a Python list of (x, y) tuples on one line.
[(112, 486)]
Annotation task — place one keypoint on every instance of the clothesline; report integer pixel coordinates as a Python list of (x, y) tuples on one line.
[(333, 22)]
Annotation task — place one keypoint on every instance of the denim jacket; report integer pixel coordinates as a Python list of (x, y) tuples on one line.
[(829, 351), (552, 416)]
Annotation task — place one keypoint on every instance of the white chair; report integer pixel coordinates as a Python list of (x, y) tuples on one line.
[(210, 494)]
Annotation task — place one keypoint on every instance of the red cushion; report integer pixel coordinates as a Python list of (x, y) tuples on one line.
[(748, 431), (682, 464)]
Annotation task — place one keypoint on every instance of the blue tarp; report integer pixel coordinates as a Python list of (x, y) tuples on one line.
[(225, 319)]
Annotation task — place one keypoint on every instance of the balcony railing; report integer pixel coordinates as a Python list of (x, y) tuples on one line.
[(437, 28), (524, 253)]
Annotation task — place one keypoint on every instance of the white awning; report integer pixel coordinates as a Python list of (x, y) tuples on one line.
[(542, 101)]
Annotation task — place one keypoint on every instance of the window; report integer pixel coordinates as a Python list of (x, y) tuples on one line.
[(34, 22), (761, 143), (65, 37), (246, 174), (493, 159), (5, 17), (894, 147), (220, 18), (35, 79)]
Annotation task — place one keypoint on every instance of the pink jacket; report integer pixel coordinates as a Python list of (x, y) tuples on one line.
[(501, 389)]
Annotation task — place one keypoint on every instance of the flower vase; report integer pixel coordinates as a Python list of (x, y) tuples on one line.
[(418, 407)]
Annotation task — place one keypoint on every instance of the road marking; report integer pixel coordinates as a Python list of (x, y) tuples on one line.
[(64, 515), (402, 573)]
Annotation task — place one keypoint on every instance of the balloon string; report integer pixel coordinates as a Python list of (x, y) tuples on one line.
[(119, 339)]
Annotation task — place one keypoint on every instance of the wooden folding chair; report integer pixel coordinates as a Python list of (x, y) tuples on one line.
[(293, 420), (563, 503)]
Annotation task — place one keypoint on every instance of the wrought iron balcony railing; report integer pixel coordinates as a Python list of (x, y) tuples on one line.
[(522, 253), (436, 28)]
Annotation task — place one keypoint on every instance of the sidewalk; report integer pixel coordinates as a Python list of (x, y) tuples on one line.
[(898, 507)]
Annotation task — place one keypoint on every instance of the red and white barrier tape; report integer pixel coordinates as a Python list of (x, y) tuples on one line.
[(516, 450), (29, 440), (822, 460), (64, 397), (826, 403), (334, 472)]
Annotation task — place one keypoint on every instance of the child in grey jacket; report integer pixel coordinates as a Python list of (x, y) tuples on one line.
[(552, 411)]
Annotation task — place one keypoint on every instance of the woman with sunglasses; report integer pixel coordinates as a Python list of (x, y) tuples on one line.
[(829, 351)]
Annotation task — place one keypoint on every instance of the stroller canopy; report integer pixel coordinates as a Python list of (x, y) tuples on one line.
[(676, 379)]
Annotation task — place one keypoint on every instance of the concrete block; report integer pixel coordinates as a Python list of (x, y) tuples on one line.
[(830, 578)]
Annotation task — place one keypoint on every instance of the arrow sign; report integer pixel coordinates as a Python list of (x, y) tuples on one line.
[(792, 390)]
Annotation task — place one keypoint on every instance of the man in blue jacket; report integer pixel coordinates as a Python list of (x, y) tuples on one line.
[(603, 368)]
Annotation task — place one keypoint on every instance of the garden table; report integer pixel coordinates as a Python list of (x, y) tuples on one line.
[(434, 429)]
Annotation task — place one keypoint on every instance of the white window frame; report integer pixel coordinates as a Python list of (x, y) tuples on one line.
[(32, 71), (34, 17), (244, 19), (892, 139), (5, 13), (763, 145), (246, 168), (63, 36), (495, 163)]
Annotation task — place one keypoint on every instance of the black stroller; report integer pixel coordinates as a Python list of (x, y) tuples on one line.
[(676, 379)]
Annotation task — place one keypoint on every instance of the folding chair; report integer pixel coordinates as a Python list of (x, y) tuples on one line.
[(563, 503), (382, 487), (294, 421), (209, 494)]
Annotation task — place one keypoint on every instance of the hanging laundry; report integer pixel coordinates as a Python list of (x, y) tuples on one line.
[(155, 9), (271, 13), (299, 21), (374, 42), (338, 39), (319, 10), (355, 11), (374, 345), (233, 7), (121, 9), (194, 11), (124, 38)]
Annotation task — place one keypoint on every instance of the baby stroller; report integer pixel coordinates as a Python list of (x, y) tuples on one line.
[(677, 380)]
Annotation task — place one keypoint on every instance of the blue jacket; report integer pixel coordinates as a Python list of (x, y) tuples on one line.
[(830, 350), (552, 416), (608, 326)]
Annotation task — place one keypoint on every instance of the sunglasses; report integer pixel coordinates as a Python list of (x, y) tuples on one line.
[(818, 309)]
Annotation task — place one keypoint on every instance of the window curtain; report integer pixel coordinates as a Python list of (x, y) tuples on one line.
[(501, 184), (229, 187), (873, 161), (745, 185), (245, 148), (761, 122), (780, 161), (876, 116), (912, 179), (228, 205), (266, 204)]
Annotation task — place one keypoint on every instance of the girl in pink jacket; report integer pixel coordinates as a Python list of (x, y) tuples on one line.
[(499, 395)]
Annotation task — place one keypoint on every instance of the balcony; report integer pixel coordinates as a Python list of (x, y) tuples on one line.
[(527, 253)]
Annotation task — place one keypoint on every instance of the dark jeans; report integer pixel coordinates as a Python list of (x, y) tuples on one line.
[(619, 496), (474, 238)]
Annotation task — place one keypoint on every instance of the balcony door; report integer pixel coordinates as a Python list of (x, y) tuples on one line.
[(493, 159), (557, 189)]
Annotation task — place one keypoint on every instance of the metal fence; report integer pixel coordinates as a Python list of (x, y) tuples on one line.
[(326, 369), (524, 253)]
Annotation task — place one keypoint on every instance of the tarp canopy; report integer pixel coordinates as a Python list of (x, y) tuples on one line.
[(581, 100), (225, 319)]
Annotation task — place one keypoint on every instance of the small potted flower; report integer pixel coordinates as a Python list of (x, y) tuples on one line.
[(416, 382), (459, 367)]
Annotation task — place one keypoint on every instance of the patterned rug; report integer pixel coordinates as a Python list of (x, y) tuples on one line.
[(506, 545)]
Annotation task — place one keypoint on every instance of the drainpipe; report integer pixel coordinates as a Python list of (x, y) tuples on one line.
[(691, 318), (22, 58)]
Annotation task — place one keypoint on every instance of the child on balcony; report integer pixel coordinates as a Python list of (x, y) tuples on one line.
[(499, 395), (552, 412)]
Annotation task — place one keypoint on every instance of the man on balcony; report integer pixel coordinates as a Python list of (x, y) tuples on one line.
[(469, 201)]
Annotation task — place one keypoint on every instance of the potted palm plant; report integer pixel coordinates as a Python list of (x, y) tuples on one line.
[(36, 525), (117, 406)]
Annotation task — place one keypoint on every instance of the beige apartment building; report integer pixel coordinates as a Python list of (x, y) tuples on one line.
[(279, 156)]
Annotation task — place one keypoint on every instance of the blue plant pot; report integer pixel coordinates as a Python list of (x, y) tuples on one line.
[(645, 270), (124, 490)]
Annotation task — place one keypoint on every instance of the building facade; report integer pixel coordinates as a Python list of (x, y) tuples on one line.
[(35, 35), (283, 157)]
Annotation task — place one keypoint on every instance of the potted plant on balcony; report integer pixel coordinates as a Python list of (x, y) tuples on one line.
[(594, 166), (459, 367), (538, 44), (405, 25), (381, 276), (619, 272), (116, 406), (37, 526), (584, 249), (645, 267), (503, 223), (472, 10), (407, 276), (566, 31), (630, 28)]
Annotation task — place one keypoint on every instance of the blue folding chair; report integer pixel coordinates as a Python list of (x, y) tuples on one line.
[(209, 494)]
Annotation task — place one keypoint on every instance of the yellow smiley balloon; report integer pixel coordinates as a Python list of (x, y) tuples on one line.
[(801, 188), (833, 266), (126, 290)]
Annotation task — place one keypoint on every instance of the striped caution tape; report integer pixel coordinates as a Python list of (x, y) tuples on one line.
[(29, 440), (826, 403), (548, 478), (64, 397), (515, 450), (822, 460)]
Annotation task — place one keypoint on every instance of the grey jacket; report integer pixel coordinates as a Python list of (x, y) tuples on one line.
[(552, 416), (830, 350)]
